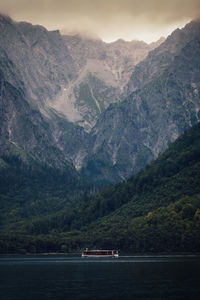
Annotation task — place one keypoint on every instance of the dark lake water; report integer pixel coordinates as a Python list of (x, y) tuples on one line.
[(71, 278)]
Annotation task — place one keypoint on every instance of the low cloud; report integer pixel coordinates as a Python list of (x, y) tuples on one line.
[(109, 19)]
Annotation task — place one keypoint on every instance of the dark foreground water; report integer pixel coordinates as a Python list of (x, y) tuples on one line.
[(71, 278)]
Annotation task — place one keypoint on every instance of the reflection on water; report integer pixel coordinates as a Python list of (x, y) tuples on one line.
[(58, 277)]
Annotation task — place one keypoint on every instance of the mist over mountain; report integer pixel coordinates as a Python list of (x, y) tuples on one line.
[(163, 101), (34, 63), (50, 83), (105, 110), (160, 58)]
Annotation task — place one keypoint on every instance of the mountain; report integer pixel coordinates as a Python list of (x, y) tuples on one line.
[(39, 76), (157, 211), (48, 154), (160, 58), (34, 59), (103, 71), (165, 102), (31, 73), (34, 171), (35, 175), (101, 134)]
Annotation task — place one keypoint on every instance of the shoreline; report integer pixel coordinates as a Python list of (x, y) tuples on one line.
[(158, 255)]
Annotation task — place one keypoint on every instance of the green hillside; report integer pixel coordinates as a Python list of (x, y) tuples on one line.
[(157, 210), (32, 188)]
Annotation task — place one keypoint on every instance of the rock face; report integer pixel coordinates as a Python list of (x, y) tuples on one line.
[(165, 102), (62, 98), (161, 57), (24, 130), (103, 72), (49, 83), (34, 59), (34, 63)]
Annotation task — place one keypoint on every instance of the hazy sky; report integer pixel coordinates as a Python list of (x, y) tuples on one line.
[(109, 19)]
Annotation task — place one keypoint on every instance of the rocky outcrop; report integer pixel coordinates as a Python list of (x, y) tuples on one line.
[(103, 71), (62, 98), (34, 59), (162, 56), (34, 63), (130, 134)]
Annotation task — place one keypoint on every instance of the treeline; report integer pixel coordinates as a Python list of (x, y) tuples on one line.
[(171, 229), (156, 210), (174, 174), (32, 188)]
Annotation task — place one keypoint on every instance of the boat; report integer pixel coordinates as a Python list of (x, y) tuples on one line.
[(100, 253)]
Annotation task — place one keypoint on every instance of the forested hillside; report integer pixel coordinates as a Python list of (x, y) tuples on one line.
[(157, 210), (32, 188)]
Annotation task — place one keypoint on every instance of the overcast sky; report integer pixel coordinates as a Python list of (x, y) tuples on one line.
[(109, 19)]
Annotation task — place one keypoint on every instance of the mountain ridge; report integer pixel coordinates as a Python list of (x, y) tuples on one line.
[(41, 70), (151, 116), (104, 70), (113, 141)]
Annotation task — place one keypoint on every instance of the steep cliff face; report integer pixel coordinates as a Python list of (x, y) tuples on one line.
[(25, 132), (39, 60), (162, 56), (31, 73), (55, 83), (130, 134), (62, 104), (103, 71)]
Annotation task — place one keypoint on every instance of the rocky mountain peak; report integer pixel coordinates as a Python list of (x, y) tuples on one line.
[(104, 70), (107, 108), (162, 56), (163, 102)]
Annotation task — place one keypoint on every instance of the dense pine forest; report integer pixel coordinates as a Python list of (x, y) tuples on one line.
[(155, 211)]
